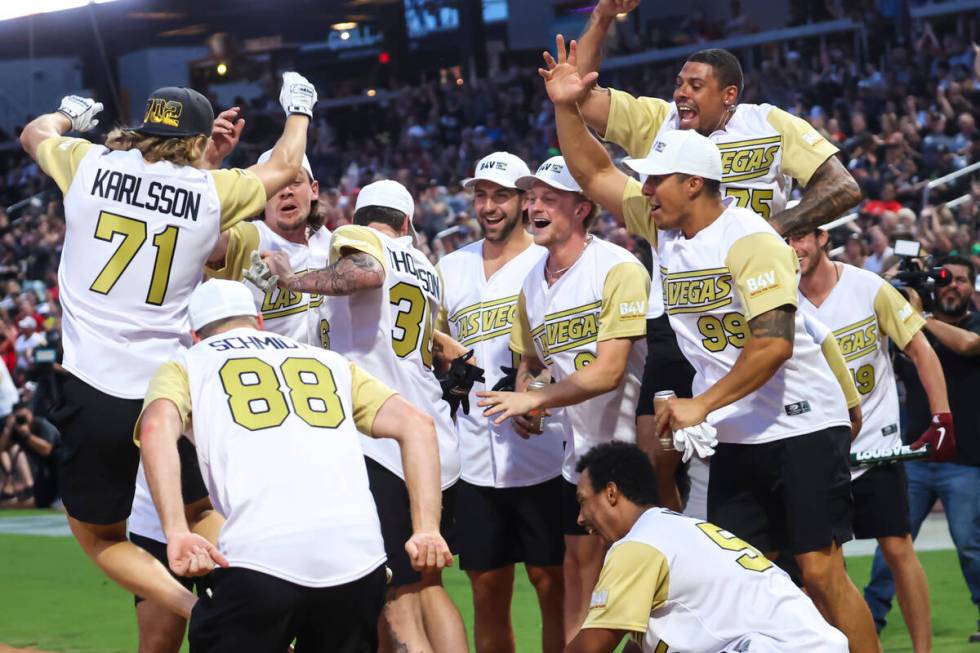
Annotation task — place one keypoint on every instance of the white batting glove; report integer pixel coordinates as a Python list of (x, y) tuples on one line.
[(81, 111), (298, 95), (260, 274)]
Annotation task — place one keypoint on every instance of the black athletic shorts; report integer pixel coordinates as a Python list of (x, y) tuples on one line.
[(99, 460), (159, 551), (665, 367), (789, 495), (881, 503), (569, 510), (394, 512), (247, 611), (497, 527)]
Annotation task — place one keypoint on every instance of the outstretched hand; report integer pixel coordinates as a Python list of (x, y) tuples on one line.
[(225, 132), (561, 79), (612, 8)]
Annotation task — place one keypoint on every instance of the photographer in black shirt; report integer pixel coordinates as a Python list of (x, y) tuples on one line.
[(954, 332), (28, 448)]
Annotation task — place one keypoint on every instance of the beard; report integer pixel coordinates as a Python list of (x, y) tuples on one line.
[(954, 307), (506, 227)]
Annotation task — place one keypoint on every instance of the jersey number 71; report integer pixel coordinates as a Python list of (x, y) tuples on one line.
[(134, 235)]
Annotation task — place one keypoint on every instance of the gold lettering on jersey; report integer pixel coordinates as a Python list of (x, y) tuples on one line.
[(698, 291), (570, 329), (858, 339), (751, 159), (279, 302), (163, 112), (484, 321)]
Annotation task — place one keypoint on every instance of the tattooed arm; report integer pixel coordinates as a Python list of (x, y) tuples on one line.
[(769, 346), (353, 272), (830, 192)]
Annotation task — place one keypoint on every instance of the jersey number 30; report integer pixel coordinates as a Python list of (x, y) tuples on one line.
[(134, 235), (256, 401)]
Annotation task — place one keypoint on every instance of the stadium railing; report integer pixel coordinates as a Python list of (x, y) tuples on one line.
[(943, 8), (945, 179), (812, 30)]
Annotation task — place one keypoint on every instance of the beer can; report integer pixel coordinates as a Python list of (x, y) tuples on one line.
[(660, 400), (536, 417)]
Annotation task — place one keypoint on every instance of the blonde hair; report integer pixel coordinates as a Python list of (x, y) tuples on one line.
[(185, 151)]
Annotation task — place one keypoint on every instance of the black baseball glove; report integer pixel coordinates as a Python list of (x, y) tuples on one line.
[(458, 381)]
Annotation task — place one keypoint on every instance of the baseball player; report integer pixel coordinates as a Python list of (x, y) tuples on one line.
[(276, 425), (730, 293), (392, 295), (510, 484), (671, 582), (865, 312), (581, 316), (142, 217)]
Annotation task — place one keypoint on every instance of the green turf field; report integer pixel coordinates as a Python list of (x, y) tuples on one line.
[(53, 598)]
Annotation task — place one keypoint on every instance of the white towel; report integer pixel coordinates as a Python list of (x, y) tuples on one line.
[(698, 440)]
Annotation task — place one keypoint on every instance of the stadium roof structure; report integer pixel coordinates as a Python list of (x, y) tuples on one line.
[(127, 25)]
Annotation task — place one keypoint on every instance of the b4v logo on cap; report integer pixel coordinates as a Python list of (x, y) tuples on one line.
[(164, 112), (659, 146)]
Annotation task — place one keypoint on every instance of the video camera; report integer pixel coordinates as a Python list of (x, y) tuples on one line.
[(916, 272)]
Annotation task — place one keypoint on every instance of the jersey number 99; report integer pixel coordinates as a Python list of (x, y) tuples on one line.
[(256, 401)]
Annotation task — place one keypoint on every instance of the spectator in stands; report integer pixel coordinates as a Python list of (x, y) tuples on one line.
[(28, 446)]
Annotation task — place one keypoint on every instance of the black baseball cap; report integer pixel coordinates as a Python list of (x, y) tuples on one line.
[(176, 112)]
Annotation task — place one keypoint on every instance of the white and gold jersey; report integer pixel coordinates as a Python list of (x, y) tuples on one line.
[(388, 332), (680, 584), (603, 296), (303, 316), (143, 517), (276, 427), (863, 311), (763, 148), (137, 236), (713, 284), (480, 313)]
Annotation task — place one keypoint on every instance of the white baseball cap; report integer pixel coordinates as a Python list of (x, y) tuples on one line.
[(680, 151), (218, 299), (306, 163), (554, 173), (502, 168), (387, 193)]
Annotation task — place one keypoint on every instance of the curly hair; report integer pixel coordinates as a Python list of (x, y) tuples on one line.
[(624, 464)]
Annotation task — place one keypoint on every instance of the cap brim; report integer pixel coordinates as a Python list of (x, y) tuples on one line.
[(469, 182), (525, 183), (163, 130), (647, 166)]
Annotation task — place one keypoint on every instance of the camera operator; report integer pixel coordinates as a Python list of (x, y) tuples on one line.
[(954, 332), (28, 446)]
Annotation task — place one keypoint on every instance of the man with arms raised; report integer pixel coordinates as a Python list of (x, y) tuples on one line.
[(730, 293), (276, 425), (864, 311), (289, 223), (581, 317), (675, 583), (142, 216), (511, 483), (764, 149), (393, 295)]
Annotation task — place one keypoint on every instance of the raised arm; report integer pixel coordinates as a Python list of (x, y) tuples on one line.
[(595, 105), (586, 158), (75, 112), (298, 97)]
